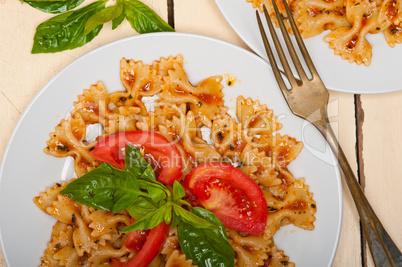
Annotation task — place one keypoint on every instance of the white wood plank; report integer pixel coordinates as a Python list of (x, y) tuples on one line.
[(9, 117), (203, 17), (382, 154), (32, 71), (341, 113)]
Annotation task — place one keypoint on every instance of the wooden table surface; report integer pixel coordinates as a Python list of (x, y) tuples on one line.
[(367, 125)]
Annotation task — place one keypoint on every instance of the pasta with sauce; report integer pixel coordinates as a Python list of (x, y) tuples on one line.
[(85, 236), (349, 21)]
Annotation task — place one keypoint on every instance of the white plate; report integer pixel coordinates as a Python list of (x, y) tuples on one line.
[(339, 75), (26, 170)]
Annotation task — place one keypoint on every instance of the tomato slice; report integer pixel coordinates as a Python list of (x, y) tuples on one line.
[(230, 194), (152, 246), (163, 155), (136, 239)]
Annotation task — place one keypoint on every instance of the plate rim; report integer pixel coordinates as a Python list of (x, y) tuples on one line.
[(141, 36)]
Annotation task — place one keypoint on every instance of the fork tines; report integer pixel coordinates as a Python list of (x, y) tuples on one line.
[(298, 66)]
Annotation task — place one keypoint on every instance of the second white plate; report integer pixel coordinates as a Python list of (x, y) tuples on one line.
[(381, 76)]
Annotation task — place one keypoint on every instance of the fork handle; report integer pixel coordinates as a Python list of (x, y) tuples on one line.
[(383, 249)]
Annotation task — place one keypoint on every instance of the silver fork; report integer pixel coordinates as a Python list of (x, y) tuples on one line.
[(308, 99)]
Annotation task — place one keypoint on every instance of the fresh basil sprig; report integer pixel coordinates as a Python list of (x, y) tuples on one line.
[(73, 29), (201, 235)]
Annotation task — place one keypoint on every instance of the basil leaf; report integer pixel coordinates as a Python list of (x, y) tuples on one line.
[(156, 191), (66, 31), (137, 165), (117, 21), (143, 19), (206, 247), (178, 191), (103, 16), (135, 162), (192, 219), (151, 220), (175, 220), (104, 188), (141, 207), (148, 173), (55, 7)]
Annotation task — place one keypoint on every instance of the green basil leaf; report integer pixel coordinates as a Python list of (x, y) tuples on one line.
[(141, 207), (178, 191), (117, 21), (103, 16), (206, 247), (175, 220), (156, 191), (148, 173), (143, 19), (192, 219), (105, 188), (55, 7), (151, 220), (66, 31), (135, 162)]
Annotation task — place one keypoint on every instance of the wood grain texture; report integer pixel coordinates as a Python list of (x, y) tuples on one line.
[(342, 116), (203, 17), (382, 154)]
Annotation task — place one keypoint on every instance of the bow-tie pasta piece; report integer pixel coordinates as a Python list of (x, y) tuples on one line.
[(316, 16), (350, 42)]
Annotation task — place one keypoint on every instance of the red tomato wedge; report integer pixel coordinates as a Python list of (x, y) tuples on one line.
[(163, 155), (152, 246), (230, 194), (136, 239)]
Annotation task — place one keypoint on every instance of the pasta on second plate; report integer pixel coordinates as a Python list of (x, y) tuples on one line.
[(349, 21), (85, 236)]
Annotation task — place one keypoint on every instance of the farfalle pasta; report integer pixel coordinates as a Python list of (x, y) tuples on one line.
[(350, 21), (85, 236)]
